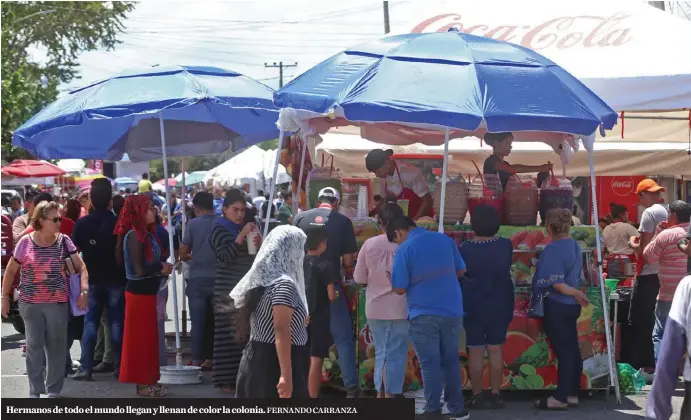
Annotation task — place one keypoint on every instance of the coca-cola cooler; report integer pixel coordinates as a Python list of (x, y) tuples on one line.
[(619, 190)]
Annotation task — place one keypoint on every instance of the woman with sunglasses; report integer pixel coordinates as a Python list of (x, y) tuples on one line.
[(41, 258)]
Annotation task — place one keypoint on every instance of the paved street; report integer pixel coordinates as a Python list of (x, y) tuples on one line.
[(14, 384)]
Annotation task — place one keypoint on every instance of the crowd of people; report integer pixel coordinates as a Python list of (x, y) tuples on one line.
[(265, 311)]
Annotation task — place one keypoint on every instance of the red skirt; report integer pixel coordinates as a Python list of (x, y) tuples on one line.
[(139, 363)]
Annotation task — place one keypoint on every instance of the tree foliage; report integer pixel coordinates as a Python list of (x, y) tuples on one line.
[(62, 31)]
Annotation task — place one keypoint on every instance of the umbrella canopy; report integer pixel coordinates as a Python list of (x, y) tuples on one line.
[(171, 182), (412, 85), (179, 177), (32, 169), (205, 110), (195, 177), (125, 180)]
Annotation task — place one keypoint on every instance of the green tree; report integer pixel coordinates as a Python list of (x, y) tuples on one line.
[(63, 30)]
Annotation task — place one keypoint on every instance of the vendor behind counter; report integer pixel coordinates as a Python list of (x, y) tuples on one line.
[(402, 182), (495, 164)]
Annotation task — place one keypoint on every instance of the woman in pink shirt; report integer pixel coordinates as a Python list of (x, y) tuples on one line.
[(387, 312)]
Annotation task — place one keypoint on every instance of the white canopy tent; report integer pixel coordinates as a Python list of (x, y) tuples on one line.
[(611, 159), (628, 52), (253, 167)]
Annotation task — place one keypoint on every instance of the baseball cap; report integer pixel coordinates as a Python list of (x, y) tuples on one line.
[(376, 158), (648, 185), (329, 192)]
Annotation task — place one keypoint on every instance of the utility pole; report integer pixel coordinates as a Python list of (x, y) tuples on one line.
[(387, 27), (658, 4), (280, 67)]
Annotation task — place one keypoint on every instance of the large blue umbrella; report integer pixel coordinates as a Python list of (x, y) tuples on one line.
[(150, 113), (206, 110), (406, 86), (452, 80)]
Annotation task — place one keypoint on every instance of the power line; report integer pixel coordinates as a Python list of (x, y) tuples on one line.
[(280, 67)]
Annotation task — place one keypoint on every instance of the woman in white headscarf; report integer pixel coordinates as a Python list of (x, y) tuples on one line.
[(272, 308)]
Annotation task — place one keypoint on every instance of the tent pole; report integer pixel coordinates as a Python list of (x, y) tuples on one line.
[(614, 380), (184, 223), (296, 197), (445, 166), (269, 207), (171, 258)]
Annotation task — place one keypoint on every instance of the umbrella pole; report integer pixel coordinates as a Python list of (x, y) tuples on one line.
[(444, 170), (184, 223), (613, 374), (171, 258), (273, 183), (296, 197)]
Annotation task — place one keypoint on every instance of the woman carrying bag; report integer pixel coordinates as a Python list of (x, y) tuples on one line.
[(557, 298)]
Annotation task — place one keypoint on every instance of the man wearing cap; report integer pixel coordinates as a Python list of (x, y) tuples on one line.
[(647, 283), (402, 182), (340, 251)]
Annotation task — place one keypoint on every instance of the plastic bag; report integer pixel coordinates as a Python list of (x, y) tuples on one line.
[(630, 380)]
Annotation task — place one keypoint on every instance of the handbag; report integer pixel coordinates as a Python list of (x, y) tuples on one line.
[(73, 283), (537, 299)]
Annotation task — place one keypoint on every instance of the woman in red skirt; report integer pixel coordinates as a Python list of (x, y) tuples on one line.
[(142, 256)]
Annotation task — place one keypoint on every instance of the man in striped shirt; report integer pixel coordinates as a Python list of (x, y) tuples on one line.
[(663, 250)]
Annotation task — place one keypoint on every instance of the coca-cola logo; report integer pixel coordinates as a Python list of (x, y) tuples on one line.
[(622, 186), (562, 32)]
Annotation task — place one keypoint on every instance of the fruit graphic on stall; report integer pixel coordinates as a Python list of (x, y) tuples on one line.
[(515, 346)]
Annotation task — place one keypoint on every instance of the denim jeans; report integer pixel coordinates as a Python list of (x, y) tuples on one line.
[(344, 339), (435, 339), (391, 341), (661, 313), (200, 298), (112, 297), (561, 326)]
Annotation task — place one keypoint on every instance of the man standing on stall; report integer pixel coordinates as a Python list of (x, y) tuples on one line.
[(340, 251), (402, 182)]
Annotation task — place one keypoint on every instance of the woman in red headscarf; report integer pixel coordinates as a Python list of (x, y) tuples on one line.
[(141, 255)]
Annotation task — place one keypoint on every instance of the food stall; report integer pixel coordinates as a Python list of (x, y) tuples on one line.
[(395, 106)]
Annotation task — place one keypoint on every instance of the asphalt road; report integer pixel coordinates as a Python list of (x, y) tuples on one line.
[(518, 406)]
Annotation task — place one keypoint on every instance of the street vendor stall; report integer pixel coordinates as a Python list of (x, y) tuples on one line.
[(429, 88)]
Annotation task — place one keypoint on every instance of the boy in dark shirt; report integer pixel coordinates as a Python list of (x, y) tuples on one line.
[(319, 281)]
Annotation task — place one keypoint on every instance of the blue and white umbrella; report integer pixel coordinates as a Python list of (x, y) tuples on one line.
[(154, 112), (205, 110)]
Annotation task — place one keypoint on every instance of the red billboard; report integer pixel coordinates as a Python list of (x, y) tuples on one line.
[(619, 190)]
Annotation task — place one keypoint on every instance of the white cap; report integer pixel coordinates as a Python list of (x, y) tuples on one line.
[(329, 192)]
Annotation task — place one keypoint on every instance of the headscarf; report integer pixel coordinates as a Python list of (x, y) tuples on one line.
[(133, 217), (281, 254)]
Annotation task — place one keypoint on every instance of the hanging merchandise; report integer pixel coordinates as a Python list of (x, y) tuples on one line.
[(299, 158), (322, 177), (555, 193), (456, 204), (520, 201)]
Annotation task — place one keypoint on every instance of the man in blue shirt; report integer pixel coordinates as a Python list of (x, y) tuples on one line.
[(93, 236), (426, 268)]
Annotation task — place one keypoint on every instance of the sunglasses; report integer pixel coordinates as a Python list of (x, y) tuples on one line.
[(55, 219)]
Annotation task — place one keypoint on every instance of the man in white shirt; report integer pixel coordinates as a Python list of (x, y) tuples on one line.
[(647, 283)]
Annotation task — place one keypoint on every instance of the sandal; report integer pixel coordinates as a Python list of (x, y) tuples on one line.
[(152, 390), (542, 404), (227, 389)]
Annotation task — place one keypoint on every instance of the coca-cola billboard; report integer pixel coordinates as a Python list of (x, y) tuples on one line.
[(560, 32), (622, 186), (619, 190)]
